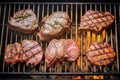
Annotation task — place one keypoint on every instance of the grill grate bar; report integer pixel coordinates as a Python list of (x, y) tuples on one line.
[(6, 39), (67, 12), (86, 62), (0, 43), (56, 3), (3, 23), (80, 41), (2, 33), (71, 19), (111, 36), (11, 40), (38, 10), (7, 31), (38, 15), (105, 68), (116, 37)]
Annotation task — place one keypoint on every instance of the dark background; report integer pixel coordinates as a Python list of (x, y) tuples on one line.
[(105, 1)]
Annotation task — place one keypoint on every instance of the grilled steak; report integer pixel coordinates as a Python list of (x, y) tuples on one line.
[(96, 21), (58, 50), (72, 50), (54, 26), (12, 53), (32, 52), (24, 21), (101, 54), (51, 52), (34, 60)]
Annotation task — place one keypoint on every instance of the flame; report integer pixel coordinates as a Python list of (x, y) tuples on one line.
[(76, 77), (98, 77), (93, 37), (78, 42), (103, 34), (88, 39), (78, 62)]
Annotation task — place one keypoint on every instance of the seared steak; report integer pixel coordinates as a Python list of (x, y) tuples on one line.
[(12, 53), (58, 50), (34, 60), (96, 21), (51, 52), (101, 54), (72, 50), (32, 52), (54, 25), (24, 21)]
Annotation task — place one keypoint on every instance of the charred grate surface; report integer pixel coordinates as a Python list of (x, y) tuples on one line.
[(84, 39)]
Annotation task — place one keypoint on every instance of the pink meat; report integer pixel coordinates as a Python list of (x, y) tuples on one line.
[(72, 50), (51, 52), (12, 53), (59, 50)]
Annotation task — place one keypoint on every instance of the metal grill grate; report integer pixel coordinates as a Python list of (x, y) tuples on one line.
[(84, 39)]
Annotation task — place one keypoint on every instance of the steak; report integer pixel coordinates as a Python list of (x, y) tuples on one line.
[(34, 60), (12, 53), (32, 52), (54, 26), (72, 50), (51, 52), (59, 50), (24, 21), (96, 21), (101, 54)]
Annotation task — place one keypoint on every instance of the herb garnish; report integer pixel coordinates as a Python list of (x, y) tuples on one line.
[(23, 16), (51, 25), (59, 23)]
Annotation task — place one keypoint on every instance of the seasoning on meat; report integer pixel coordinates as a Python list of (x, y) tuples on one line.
[(54, 26), (24, 21)]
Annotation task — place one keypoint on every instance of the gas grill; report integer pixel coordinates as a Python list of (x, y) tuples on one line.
[(81, 67)]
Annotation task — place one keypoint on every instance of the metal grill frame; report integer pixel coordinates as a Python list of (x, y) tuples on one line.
[(75, 24)]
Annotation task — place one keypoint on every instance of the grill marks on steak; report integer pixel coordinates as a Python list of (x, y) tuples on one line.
[(54, 25), (34, 60), (32, 52), (58, 50), (12, 53), (96, 21), (101, 54), (28, 48), (28, 51), (24, 21)]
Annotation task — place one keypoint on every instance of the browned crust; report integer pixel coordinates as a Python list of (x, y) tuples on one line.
[(102, 64), (44, 18), (49, 37), (94, 31)]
